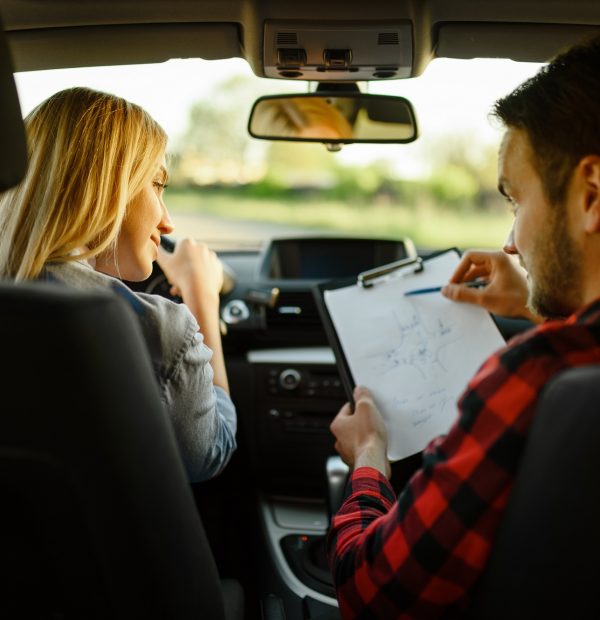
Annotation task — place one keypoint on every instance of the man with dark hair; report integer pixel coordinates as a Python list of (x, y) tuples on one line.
[(419, 556)]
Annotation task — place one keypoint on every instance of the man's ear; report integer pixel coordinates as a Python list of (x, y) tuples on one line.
[(589, 168)]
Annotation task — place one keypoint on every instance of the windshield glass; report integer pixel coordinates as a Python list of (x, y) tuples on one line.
[(235, 191)]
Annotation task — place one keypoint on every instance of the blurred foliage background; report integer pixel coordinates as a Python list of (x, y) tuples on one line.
[(217, 168)]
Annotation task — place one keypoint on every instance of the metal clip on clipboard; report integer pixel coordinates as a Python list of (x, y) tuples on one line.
[(411, 264)]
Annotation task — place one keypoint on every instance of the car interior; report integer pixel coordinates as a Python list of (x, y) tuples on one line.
[(98, 518)]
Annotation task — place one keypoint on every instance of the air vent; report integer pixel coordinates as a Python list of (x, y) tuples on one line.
[(287, 38), (294, 310), (388, 38)]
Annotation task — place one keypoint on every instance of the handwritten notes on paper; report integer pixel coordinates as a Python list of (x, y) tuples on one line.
[(416, 354)]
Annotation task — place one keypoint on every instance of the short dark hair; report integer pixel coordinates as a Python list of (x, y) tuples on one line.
[(559, 109)]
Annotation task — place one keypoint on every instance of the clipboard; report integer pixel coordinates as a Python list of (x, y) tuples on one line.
[(412, 265), (440, 333)]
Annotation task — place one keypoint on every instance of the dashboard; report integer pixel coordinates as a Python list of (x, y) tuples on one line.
[(287, 390), (282, 372)]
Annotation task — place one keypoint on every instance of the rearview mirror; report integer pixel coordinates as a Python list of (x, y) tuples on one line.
[(333, 118)]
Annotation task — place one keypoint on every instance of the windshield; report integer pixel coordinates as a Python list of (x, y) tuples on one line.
[(235, 191)]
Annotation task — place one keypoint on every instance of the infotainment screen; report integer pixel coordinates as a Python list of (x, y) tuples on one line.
[(323, 258)]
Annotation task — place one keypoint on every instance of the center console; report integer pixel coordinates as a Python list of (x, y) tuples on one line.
[(290, 391), (297, 394)]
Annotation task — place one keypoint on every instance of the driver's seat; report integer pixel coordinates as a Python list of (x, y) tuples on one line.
[(97, 519)]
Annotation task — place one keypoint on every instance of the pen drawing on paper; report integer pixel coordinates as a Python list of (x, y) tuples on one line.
[(417, 346)]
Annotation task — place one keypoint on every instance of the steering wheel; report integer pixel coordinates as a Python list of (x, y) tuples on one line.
[(158, 284)]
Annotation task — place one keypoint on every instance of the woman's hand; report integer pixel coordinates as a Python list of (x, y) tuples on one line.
[(361, 437), (506, 292), (192, 267)]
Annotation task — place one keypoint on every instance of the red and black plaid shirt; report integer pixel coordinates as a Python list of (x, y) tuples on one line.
[(419, 556)]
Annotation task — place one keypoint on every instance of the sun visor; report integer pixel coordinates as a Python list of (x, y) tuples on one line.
[(92, 46), (522, 42)]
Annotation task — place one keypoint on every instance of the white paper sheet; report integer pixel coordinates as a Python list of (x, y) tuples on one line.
[(416, 354)]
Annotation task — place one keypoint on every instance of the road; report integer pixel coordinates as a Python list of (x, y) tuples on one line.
[(222, 233)]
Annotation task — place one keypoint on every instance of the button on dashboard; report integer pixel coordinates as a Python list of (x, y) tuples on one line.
[(290, 379)]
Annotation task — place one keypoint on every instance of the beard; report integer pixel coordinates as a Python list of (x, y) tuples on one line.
[(555, 284)]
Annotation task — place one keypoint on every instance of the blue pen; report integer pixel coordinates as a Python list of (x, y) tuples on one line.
[(437, 289)]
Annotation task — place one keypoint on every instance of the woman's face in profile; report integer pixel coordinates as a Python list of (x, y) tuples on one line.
[(145, 221)]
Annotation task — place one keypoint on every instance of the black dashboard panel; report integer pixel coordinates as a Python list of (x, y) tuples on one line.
[(317, 258)]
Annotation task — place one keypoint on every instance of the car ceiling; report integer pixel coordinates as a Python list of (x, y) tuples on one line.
[(46, 34)]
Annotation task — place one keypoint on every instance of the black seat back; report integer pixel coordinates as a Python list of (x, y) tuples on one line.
[(97, 517), (546, 559)]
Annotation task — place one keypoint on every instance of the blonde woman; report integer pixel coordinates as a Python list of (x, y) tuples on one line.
[(90, 213)]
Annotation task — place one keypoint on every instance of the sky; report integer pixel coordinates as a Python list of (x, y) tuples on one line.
[(450, 96)]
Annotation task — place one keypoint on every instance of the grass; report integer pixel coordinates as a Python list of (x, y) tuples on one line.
[(428, 225)]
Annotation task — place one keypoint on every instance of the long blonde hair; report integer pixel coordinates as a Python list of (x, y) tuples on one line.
[(90, 153)]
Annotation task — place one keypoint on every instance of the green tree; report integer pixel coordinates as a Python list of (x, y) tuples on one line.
[(300, 164), (464, 171), (216, 144)]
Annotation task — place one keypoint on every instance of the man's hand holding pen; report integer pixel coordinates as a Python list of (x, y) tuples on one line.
[(506, 290)]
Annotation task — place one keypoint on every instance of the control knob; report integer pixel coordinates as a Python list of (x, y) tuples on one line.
[(235, 311), (289, 379)]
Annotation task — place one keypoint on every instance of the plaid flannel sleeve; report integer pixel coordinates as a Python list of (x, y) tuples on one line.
[(419, 556)]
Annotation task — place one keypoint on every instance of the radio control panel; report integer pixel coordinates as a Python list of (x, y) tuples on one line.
[(297, 393), (303, 382)]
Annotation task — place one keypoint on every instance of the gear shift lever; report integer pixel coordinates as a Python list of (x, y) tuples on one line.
[(337, 476), (308, 554)]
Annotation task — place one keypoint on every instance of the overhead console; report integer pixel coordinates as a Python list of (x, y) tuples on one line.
[(338, 51)]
